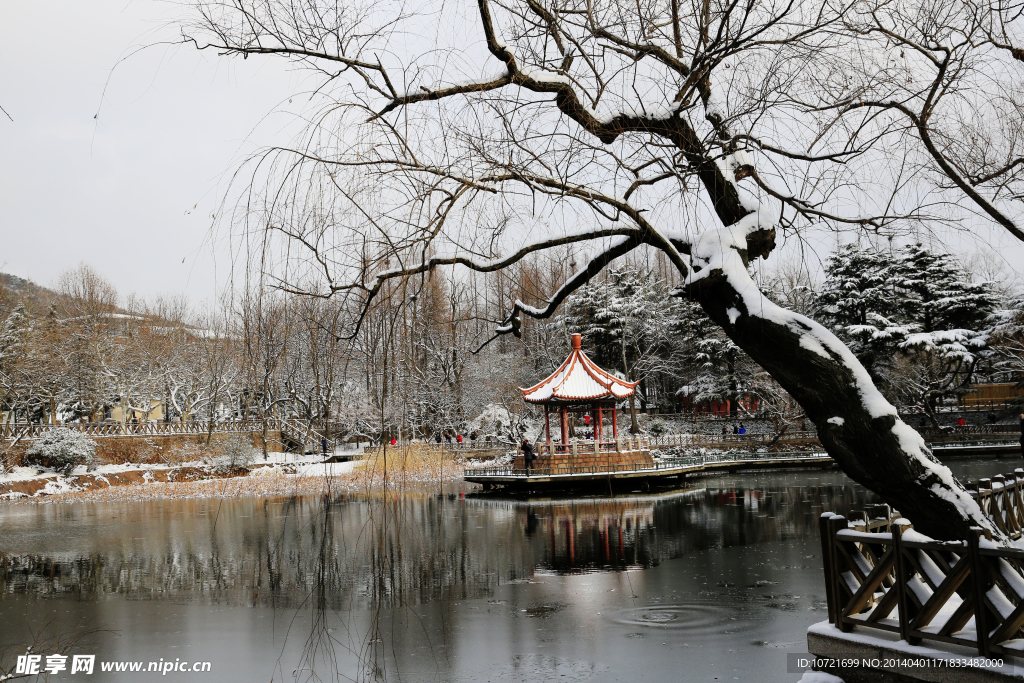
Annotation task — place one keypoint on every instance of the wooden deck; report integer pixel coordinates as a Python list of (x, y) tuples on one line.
[(569, 477)]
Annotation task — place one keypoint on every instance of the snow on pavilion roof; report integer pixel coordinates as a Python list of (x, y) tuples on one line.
[(578, 379)]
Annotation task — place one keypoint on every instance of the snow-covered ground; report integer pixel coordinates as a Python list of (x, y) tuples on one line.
[(330, 469)]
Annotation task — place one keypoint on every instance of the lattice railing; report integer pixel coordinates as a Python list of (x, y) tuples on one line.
[(1002, 499), (100, 429), (880, 574)]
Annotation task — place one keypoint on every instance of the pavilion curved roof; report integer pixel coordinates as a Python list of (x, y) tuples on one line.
[(578, 379)]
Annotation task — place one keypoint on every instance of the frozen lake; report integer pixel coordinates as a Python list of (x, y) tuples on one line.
[(718, 582)]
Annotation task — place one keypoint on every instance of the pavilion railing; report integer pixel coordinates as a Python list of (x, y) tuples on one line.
[(574, 448), (582, 469)]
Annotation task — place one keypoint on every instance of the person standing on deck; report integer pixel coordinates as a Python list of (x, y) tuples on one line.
[(527, 449)]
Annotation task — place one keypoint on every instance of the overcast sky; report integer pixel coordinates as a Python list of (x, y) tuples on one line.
[(131, 191)]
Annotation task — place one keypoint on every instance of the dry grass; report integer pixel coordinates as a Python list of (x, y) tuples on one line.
[(398, 466), (234, 487), (405, 469)]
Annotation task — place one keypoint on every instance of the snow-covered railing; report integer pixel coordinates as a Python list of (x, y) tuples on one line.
[(1002, 499), (306, 437), (701, 418), (883, 575), (102, 429), (953, 432), (729, 439), (620, 445), (692, 463)]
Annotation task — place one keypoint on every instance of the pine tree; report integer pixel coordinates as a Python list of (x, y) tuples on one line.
[(13, 340), (914, 305), (949, 317), (1006, 337), (715, 367), (859, 303)]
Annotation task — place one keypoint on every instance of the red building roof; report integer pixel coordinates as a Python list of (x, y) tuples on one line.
[(578, 379)]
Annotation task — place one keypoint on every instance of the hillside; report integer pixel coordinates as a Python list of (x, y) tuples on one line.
[(14, 288)]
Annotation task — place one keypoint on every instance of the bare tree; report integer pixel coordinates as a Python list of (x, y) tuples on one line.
[(698, 129)]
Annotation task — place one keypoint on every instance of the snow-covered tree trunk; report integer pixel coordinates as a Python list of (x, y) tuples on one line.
[(855, 424)]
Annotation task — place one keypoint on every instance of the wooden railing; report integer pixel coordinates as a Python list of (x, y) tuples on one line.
[(692, 463), (1002, 500), (101, 429), (622, 444), (882, 575)]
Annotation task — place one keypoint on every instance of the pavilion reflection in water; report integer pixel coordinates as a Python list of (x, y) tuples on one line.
[(591, 532)]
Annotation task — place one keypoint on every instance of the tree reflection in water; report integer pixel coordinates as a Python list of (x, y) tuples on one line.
[(352, 568)]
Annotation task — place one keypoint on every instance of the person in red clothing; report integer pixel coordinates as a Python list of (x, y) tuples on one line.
[(458, 437), (961, 422), (394, 441)]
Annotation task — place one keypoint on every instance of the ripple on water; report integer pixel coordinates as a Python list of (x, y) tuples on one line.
[(696, 619)]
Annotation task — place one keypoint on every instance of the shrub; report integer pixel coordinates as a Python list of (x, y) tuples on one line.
[(657, 427), (62, 449), (234, 452)]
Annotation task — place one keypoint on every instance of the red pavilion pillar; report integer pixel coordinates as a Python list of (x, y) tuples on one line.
[(547, 426), (565, 424)]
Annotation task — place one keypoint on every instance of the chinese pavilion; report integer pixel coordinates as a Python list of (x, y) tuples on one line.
[(580, 386)]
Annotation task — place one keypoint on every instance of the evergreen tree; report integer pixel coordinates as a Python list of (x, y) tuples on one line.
[(628, 321), (948, 317), (717, 369), (859, 303), (13, 341), (631, 322), (913, 318), (1007, 340)]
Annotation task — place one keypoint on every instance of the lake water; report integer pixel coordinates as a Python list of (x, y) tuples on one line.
[(716, 582)]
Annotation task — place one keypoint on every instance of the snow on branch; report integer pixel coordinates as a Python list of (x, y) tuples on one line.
[(618, 247)]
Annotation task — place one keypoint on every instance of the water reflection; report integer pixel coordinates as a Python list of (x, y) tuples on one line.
[(358, 552), (451, 587)]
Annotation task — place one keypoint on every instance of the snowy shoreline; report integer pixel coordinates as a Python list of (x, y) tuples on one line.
[(195, 480)]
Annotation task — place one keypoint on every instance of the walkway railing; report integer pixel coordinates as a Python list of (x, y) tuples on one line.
[(100, 429), (967, 593), (1001, 498), (970, 430), (691, 463), (880, 574), (698, 440)]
